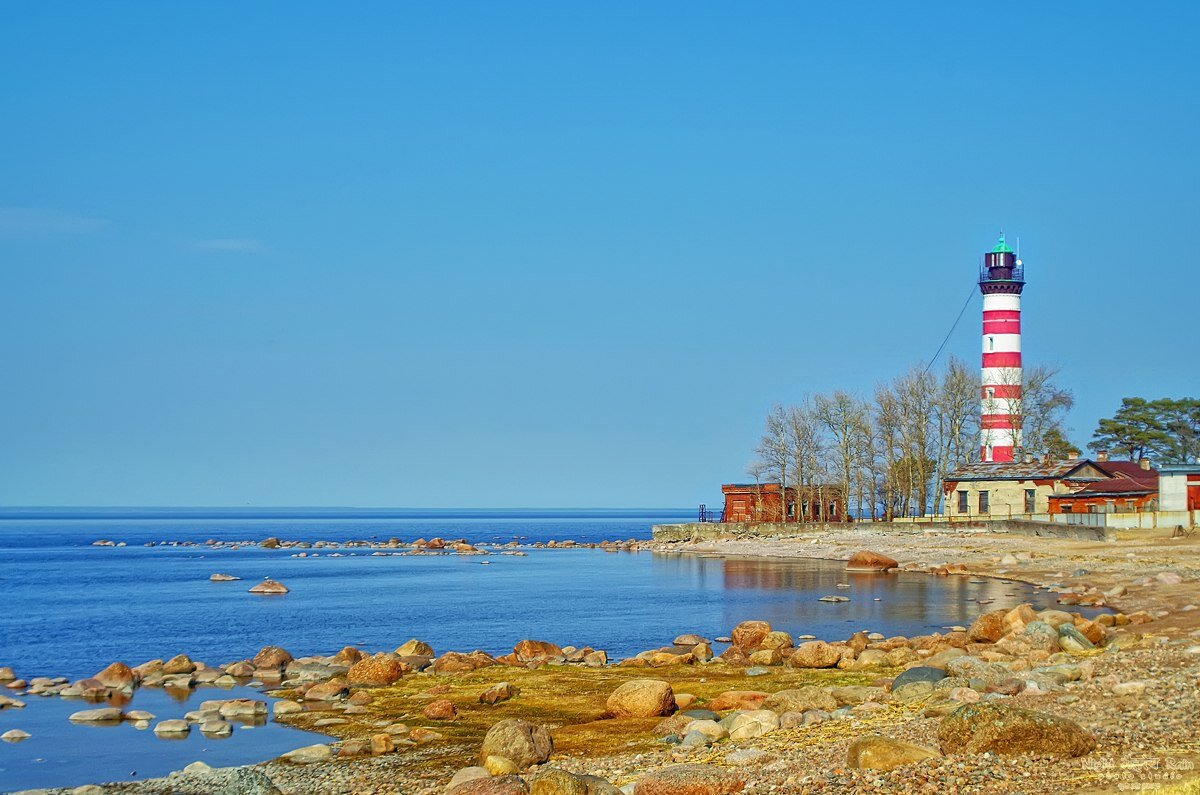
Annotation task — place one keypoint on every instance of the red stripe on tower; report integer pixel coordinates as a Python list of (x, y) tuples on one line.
[(1001, 280)]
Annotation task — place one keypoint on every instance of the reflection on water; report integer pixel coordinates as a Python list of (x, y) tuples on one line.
[(785, 592), (61, 753)]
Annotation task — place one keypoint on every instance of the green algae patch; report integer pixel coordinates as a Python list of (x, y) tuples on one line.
[(570, 701)]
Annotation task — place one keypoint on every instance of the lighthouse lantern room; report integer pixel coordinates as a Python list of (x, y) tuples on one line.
[(1001, 280)]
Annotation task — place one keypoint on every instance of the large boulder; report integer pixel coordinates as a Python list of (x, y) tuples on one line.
[(866, 560), (815, 654), (440, 709), (1019, 617), (968, 667), (642, 698), (523, 742), (989, 727), (271, 657), (536, 651), (777, 640), (988, 628), (801, 699), (751, 724), (98, 715), (749, 635), (690, 780), (333, 690), (919, 673), (738, 699), (118, 675), (1072, 640), (453, 662), (558, 782), (415, 648), (179, 664), (874, 752), (375, 671), (1040, 636)]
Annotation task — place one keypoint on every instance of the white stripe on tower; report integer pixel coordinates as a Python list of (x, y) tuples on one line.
[(1001, 281)]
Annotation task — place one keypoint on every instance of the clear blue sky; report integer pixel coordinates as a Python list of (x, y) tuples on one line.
[(556, 254)]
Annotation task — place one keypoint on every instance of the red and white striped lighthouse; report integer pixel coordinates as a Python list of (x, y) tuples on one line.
[(1001, 279)]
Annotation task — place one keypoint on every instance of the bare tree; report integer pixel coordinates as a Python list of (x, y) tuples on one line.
[(957, 406), (774, 452), (843, 416)]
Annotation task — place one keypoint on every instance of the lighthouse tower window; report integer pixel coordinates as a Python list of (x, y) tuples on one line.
[(991, 343)]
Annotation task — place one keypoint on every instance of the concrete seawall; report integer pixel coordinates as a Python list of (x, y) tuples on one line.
[(714, 531)]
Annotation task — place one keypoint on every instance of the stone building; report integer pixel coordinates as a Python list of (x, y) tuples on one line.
[(1008, 488)]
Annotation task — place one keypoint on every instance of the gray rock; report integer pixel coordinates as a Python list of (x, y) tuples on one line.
[(309, 754), (173, 727), (1071, 639), (100, 715), (920, 673)]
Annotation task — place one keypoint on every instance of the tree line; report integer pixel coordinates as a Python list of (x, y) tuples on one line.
[(887, 453), (1166, 430)]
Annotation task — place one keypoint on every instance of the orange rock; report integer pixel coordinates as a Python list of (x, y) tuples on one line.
[(642, 698), (117, 675), (988, 628), (737, 699), (442, 709), (455, 662), (375, 671), (866, 560), (536, 651), (749, 635), (269, 587), (271, 657), (333, 690)]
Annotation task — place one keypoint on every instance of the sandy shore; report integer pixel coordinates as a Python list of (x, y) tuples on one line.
[(1136, 696)]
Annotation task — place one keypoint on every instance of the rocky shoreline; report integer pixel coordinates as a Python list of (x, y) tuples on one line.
[(1048, 699)]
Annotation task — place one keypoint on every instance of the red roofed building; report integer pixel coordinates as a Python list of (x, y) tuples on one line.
[(1133, 486)]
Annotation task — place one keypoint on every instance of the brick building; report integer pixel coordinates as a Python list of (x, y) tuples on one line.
[(1132, 486), (767, 502)]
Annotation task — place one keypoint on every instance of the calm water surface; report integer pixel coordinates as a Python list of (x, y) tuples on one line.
[(71, 608)]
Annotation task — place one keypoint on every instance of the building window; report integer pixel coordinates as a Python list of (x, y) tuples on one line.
[(983, 502), (991, 343), (1030, 500), (1066, 507), (962, 502)]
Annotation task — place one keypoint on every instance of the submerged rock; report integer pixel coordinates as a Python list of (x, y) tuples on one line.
[(269, 586)]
